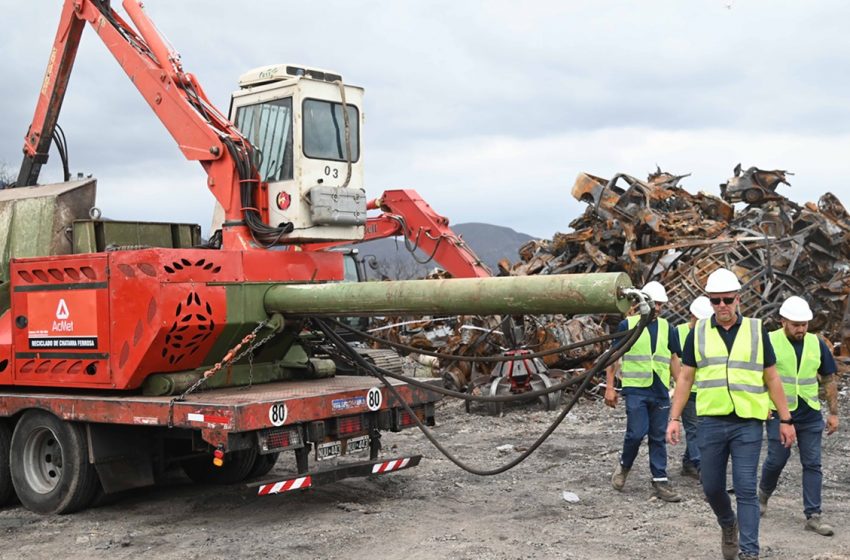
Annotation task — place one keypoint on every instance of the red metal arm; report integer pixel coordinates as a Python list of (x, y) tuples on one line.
[(406, 213), (202, 132), (40, 133)]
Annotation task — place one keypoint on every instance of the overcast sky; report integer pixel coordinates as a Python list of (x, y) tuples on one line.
[(488, 109)]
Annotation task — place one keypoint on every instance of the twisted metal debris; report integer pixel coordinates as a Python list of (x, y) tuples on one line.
[(657, 230)]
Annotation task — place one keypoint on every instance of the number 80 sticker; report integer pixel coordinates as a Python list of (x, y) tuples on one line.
[(374, 398), (277, 414)]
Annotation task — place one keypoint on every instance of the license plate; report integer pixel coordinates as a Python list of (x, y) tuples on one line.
[(328, 450), (357, 444)]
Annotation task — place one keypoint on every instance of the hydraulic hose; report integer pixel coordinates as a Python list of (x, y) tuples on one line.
[(608, 357)]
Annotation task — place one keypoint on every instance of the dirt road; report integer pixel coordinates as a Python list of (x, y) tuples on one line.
[(439, 511)]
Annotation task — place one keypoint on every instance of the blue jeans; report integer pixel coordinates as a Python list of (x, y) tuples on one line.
[(809, 436), (690, 423), (646, 416), (720, 438)]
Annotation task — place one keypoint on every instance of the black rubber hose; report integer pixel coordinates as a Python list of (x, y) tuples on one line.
[(608, 357)]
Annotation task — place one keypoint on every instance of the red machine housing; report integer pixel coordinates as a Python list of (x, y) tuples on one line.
[(109, 320)]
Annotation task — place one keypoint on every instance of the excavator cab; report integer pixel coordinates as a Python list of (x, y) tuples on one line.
[(308, 149)]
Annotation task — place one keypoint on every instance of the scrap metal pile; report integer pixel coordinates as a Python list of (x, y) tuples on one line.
[(468, 335), (657, 230)]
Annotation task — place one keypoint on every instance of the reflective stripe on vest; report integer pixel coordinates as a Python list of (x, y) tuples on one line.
[(639, 362), (733, 381), (684, 330), (802, 380)]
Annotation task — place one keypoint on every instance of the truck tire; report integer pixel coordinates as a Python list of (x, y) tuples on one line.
[(50, 465), (236, 468), (7, 491), (263, 464)]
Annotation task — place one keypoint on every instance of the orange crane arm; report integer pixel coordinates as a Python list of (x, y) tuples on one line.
[(202, 132), (405, 213)]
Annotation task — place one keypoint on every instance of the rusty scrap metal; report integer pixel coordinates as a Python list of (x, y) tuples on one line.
[(473, 335), (657, 230)]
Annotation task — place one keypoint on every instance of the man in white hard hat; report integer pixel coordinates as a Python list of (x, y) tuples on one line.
[(802, 359), (646, 371), (734, 365), (700, 308)]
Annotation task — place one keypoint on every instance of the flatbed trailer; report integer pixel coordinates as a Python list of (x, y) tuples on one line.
[(219, 435)]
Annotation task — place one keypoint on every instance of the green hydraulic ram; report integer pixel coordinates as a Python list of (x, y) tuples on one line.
[(509, 295), (513, 295)]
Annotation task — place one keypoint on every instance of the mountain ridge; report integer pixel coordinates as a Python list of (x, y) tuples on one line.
[(490, 242)]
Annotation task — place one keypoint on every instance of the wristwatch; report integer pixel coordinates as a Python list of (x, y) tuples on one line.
[(788, 421)]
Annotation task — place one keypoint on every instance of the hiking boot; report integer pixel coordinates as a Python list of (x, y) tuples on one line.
[(689, 470), (664, 491), (818, 525), (748, 557), (763, 498), (618, 479), (729, 541)]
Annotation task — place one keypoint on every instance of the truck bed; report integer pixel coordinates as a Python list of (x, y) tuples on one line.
[(234, 409)]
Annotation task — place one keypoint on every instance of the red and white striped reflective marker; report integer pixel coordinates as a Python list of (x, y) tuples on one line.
[(388, 466), (286, 485)]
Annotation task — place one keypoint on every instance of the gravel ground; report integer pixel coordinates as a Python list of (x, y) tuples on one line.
[(439, 511)]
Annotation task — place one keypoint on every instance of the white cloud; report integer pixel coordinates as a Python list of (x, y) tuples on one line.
[(490, 108), (526, 184)]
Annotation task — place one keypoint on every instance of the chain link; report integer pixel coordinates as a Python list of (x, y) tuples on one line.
[(230, 358), (250, 352)]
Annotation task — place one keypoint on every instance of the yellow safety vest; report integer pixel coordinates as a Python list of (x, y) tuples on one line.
[(802, 381), (684, 330), (639, 362), (733, 381)]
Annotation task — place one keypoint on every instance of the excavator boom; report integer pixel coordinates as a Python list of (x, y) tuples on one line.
[(202, 133)]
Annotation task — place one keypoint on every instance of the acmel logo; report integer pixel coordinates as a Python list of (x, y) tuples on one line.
[(62, 324)]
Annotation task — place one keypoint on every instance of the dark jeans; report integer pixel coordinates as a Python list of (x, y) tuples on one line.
[(720, 438), (646, 416), (809, 436), (690, 423)]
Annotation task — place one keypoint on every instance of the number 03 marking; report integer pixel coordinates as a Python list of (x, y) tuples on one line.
[(374, 398), (277, 414)]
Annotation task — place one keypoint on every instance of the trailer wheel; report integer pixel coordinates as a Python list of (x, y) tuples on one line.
[(236, 468), (50, 465), (263, 464), (7, 491)]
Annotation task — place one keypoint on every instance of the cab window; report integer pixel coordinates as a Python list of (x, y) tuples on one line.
[(324, 130), (268, 126)]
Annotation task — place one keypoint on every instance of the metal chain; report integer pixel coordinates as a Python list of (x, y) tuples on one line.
[(250, 352), (230, 358)]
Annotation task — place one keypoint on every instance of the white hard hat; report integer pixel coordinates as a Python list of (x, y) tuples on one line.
[(701, 308), (722, 280), (796, 309), (656, 291)]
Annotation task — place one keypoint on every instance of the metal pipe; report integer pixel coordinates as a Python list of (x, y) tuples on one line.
[(510, 295)]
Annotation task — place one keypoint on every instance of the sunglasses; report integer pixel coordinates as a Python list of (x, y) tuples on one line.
[(726, 300)]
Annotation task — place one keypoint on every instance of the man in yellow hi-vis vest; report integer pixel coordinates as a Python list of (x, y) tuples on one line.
[(700, 308), (734, 365), (646, 371), (801, 358)]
